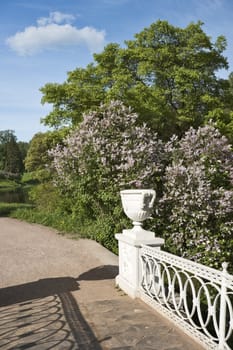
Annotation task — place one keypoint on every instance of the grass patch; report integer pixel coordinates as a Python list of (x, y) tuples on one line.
[(7, 208), (100, 231), (61, 222), (8, 185)]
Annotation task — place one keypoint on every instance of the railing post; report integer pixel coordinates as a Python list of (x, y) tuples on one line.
[(222, 314), (129, 277)]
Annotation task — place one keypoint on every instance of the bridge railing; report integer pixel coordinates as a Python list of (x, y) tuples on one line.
[(198, 298)]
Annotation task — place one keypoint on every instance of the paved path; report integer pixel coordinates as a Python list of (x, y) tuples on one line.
[(59, 293)]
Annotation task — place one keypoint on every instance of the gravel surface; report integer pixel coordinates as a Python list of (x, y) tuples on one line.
[(59, 293)]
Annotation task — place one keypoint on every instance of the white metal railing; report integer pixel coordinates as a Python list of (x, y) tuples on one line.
[(198, 298)]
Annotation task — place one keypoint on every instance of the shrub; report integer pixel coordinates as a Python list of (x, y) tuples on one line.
[(196, 209), (106, 153)]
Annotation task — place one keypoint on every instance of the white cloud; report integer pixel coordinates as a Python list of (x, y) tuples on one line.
[(51, 34), (55, 17)]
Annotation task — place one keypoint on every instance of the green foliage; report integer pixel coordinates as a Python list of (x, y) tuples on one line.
[(46, 197), (106, 153), (55, 219), (48, 207), (166, 74), (82, 91), (8, 185), (94, 159), (11, 158), (23, 147), (100, 230), (196, 208), (28, 178), (10, 176), (37, 159), (8, 208), (5, 137), (193, 177)]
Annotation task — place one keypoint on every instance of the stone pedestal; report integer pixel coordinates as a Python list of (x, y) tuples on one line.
[(129, 243)]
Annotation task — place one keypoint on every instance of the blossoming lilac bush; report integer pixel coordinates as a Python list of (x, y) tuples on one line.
[(196, 210), (106, 153), (193, 177)]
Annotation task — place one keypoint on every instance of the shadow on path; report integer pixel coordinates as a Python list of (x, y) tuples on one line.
[(38, 289), (103, 272), (44, 314)]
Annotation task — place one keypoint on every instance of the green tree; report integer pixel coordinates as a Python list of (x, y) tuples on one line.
[(43, 194), (82, 91), (23, 146), (11, 160), (37, 158), (166, 74), (5, 136)]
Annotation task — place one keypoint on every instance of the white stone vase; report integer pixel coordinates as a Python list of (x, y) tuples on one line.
[(138, 205)]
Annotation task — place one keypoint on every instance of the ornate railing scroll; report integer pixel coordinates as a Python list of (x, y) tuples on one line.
[(199, 299)]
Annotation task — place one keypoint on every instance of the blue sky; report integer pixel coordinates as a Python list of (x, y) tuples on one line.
[(41, 40)]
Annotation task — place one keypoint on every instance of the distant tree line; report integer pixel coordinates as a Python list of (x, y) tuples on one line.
[(12, 154)]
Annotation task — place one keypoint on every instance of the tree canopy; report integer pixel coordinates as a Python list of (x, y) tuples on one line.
[(166, 74), (11, 158), (37, 158)]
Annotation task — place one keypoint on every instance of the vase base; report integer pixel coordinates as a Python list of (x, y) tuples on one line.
[(138, 233)]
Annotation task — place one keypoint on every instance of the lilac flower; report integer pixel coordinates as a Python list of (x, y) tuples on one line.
[(197, 204)]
